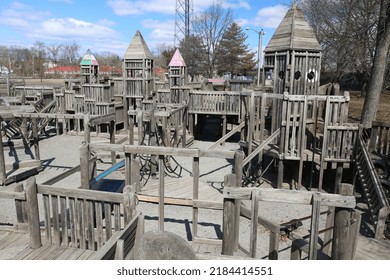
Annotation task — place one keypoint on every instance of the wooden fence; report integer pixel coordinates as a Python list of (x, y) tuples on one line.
[(342, 224), (74, 218)]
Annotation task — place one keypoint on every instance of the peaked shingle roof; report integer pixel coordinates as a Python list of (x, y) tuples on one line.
[(89, 59), (138, 48), (293, 33), (177, 60)]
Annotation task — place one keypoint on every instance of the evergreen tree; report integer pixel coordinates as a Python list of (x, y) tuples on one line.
[(194, 54), (233, 55)]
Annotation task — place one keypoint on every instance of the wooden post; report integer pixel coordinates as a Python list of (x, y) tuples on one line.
[(184, 127), (112, 141), (87, 129), (224, 127), (84, 165), (23, 128), (254, 217), (3, 174), (238, 170), (128, 203), (341, 247), (339, 174), (20, 206), (128, 169), (229, 219), (135, 174), (35, 138), (33, 213), (315, 221), (131, 130), (195, 194), (161, 192)]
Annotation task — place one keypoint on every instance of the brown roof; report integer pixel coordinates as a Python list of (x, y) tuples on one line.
[(138, 48), (293, 33)]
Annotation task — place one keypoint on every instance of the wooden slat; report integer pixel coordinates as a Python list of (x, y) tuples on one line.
[(291, 196)]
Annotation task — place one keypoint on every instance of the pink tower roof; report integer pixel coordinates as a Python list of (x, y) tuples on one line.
[(177, 60)]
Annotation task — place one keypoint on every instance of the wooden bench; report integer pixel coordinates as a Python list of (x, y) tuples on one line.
[(123, 244)]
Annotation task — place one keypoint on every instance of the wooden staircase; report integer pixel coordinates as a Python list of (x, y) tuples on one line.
[(376, 197)]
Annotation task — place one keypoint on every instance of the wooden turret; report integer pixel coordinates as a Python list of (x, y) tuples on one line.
[(89, 68), (292, 58), (178, 78)]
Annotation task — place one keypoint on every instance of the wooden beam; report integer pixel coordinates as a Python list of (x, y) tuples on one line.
[(291, 196)]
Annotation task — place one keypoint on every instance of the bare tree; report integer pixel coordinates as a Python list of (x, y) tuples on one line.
[(379, 66), (346, 30), (53, 50), (210, 26), (70, 53), (40, 53)]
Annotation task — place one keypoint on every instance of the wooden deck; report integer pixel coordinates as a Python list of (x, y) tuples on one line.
[(372, 249), (179, 191), (14, 245)]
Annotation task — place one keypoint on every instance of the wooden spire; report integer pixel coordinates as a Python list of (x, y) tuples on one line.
[(293, 33), (138, 48)]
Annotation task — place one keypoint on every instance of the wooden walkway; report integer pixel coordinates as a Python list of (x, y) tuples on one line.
[(180, 191), (372, 249), (14, 245)]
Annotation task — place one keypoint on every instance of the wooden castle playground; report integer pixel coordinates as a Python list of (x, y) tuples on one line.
[(290, 124)]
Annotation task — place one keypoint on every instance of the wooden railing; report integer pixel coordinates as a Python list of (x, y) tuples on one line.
[(379, 143), (214, 102), (373, 192), (76, 218), (316, 200)]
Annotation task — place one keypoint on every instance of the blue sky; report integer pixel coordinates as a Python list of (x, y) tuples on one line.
[(109, 25)]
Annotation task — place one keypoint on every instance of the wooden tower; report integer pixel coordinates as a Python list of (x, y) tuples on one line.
[(292, 58), (178, 78), (89, 68)]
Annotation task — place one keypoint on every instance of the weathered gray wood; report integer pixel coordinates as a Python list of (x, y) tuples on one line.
[(291, 196), (238, 171), (33, 213), (195, 194), (3, 175), (35, 138), (341, 247), (381, 223), (161, 215), (20, 205), (229, 219), (84, 165), (254, 215), (227, 136), (128, 203), (81, 194), (314, 226)]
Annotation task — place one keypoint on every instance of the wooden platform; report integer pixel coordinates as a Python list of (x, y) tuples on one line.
[(15, 246), (179, 191), (372, 249)]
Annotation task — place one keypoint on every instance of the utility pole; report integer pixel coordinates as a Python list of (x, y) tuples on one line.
[(261, 33)]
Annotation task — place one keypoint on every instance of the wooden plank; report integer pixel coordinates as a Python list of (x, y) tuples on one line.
[(291, 196), (81, 194), (314, 226)]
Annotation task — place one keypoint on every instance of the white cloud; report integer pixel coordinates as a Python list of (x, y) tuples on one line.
[(236, 5), (162, 32), (270, 17), (128, 7), (73, 28), (62, 1), (21, 16)]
